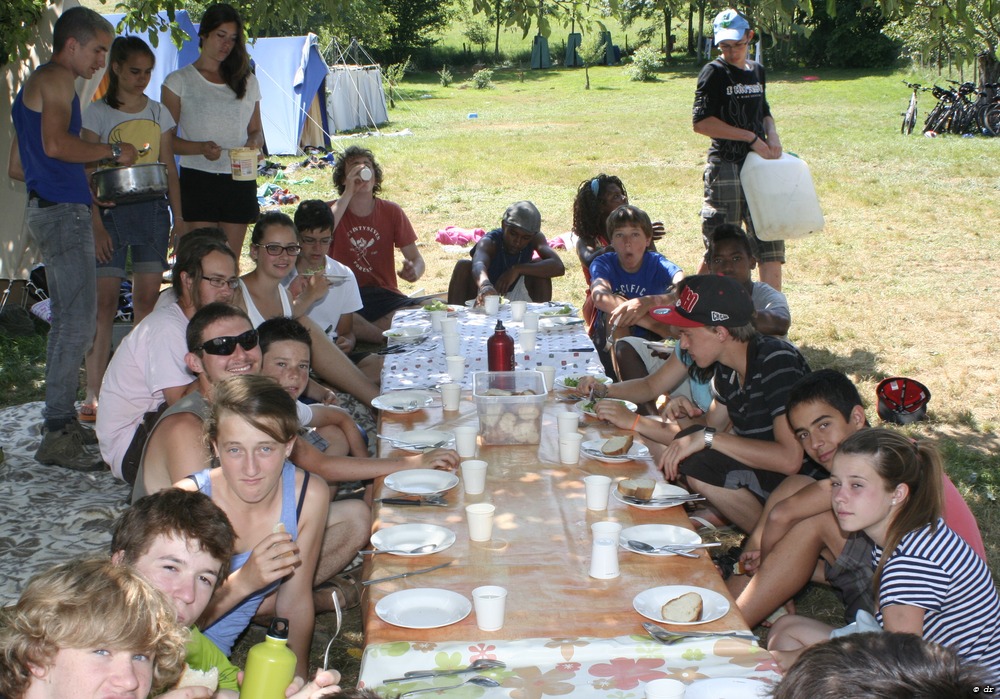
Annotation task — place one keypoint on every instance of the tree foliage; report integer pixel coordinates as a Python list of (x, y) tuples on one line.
[(851, 39), (592, 51), (946, 30), (17, 22), (541, 14)]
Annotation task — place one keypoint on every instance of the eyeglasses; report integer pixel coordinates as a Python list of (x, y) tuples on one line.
[(219, 282), (225, 346), (275, 249), (732, 47), (325, 242)]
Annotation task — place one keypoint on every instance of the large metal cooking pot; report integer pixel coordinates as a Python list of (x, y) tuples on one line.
[(125, 185)]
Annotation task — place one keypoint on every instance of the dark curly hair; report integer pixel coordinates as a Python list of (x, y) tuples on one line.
[(588, 221), (340, 171)]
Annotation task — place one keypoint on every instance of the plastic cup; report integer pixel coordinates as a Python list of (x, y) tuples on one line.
[(517, 309), (449, 326), (480, 516), (474, 476), (456, 367), (598, 490), (664, 689), (604, 554), (569, 448), (490, 602), (527, 338), (549, 375), (530, 321), (436, 318), (451, 396), (569, 422), (492, 304), (465, 440), (452, 344)]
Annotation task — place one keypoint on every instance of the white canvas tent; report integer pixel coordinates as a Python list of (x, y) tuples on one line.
[(355, 97)]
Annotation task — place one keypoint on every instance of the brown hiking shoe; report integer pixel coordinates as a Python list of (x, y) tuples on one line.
[(65, 448)]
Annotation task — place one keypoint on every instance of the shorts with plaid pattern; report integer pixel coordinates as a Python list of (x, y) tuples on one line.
[(726, 203)]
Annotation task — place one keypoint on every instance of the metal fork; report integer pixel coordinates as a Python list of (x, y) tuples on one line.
[(669, 638)]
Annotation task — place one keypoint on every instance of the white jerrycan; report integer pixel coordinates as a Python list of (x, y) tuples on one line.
[(781, 196)]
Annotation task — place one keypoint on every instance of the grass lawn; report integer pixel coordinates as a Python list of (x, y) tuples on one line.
[(903, 280)]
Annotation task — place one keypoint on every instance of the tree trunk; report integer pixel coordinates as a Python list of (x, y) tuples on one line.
[(586, 71), (496, 46), (691, 30), (989, 67), (667, 21)]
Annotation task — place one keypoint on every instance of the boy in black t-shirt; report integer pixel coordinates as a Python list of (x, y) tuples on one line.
[(730, 107)]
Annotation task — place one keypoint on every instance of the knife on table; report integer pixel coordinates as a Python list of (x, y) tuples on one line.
[(406, 575), (416, 502)]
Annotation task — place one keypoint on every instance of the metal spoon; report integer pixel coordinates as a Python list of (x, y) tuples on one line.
[(420, 549), (474, 666), (643, 546), (477, 680)]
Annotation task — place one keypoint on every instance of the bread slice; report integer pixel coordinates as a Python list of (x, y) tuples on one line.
[(198, 678), (618, 446), (686, 608), (641, 488)]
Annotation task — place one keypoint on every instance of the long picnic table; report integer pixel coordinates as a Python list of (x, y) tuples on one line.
[(564, 631)]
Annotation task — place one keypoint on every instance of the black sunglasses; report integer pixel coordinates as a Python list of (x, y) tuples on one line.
[(225, 346)]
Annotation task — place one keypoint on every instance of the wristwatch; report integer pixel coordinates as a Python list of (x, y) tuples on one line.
[(116, 151), (709, 437)]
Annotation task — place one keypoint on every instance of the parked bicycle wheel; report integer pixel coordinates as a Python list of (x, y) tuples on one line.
[(909, 120), (991, 119)]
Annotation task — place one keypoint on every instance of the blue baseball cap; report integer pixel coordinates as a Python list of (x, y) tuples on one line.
[(729, 25)]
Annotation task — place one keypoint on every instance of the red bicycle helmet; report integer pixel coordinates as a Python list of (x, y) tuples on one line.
[(902, 400)]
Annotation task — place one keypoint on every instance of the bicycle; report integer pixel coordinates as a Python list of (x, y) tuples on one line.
[(910, 115)]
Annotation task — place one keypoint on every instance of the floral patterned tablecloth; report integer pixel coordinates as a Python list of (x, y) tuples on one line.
[(567, 348), (609, 668)]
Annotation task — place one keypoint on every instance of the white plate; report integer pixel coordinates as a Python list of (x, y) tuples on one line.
[(413, 536), (560, 382), (407, 333), (452, 310), (592, 449), (727, 688), (421, 440), (658, 535), (421, 481), (558, 322), (580, 406), (660, 346), (336, 279), (402, 401), (423, 608), (661, 490), (558, 312), (471, 303), (650, 602)]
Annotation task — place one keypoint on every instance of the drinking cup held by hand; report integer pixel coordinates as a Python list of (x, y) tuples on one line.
[(598, 489), (474, 476), (451, 395), (569, 447), (456, 367), (490, 602), (465, 440), (480, 516), (517, 309)]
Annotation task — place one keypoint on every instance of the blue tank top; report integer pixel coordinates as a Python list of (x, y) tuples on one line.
[(225, 630), (55, 180), (503, 260)]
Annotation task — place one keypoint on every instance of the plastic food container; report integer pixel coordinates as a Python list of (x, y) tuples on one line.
[(244, 163), (510, 406)]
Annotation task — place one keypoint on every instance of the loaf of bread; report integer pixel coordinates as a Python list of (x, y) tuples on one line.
[(641, 488), (197, 678), (686, 608), (618, 446)]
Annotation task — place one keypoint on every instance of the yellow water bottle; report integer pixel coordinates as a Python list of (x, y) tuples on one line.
[(270, 665)]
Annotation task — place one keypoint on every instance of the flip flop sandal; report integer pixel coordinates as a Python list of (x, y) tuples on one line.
[(350, 587), (728, 562), (87, 413)]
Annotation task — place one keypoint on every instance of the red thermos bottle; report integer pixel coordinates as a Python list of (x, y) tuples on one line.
[(500, 350)]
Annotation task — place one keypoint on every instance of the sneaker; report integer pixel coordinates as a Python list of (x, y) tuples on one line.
[(65, 448), (87, 436)]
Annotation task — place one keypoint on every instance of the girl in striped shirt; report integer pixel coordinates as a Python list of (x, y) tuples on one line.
[(927, 581)]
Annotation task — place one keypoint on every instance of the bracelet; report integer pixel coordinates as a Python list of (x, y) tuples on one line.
[(755, 139), (634, 423)]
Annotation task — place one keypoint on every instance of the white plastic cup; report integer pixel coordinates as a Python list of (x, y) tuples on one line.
[(449, 326), (530, 321), (604, 553), (480, 516), (569, 422), (665, 689), (490, 602), (569, 447), (527, 338), (452, 344), (465, 440), (517, 309), (548, 374), (451, 396), (456, 367), (366, 173), (436, 318), (492, 304), (598, 489), (474, 476)]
